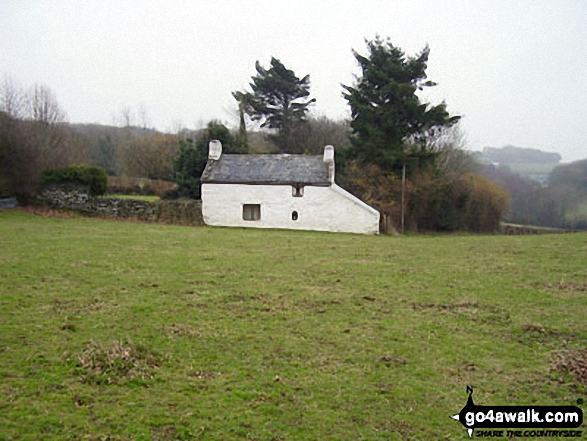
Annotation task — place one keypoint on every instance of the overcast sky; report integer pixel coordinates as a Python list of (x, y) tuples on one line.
[(515, 70)]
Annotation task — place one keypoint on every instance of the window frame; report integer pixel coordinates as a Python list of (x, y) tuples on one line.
[(297, 190), (251, 212)]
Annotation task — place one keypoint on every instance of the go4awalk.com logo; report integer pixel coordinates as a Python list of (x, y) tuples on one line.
[(519, 421)]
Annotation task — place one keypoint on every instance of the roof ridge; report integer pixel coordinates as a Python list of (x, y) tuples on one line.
[(269, 168)]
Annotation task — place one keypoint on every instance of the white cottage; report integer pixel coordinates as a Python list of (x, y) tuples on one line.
[(281, 191)]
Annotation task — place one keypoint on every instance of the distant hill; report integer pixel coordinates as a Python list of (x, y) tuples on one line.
[(531, 163), (518, 155), (95, 131)]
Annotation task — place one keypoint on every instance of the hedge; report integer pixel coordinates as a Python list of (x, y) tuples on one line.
[(87, 175)]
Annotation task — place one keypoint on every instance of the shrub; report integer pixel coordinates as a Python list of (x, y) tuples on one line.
[(467, 203), (188, 167), (170, 195), (87, 175), (434, 201), (485, 203), (192, 157)]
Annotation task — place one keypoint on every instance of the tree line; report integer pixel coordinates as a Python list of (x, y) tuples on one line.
[(399, 154), (404, 156), (33, 138)]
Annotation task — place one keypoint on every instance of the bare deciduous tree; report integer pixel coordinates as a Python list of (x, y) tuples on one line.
[(43, 107), (12, 99), (127, 118), (147, 156), (144, 118), (453, 157), (33, 138), (312, 135)]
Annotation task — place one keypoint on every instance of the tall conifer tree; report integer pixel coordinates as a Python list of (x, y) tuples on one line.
[(391, 126)]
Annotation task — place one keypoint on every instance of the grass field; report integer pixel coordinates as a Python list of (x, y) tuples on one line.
[(136, 197), (579, 212), (115, 330)]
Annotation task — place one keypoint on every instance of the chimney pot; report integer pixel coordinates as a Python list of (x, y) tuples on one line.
[(329, 160), (215, 149), (328, 153)]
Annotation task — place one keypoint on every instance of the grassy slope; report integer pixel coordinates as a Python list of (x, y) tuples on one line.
[(279, 335)]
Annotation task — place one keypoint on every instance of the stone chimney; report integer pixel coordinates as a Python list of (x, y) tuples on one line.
[(329, 160), (215, 150)]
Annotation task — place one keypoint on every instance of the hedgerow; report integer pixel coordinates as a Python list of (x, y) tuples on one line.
[(90, 176)]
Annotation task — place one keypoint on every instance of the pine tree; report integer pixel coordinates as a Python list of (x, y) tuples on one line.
[(279, 99), (391, 126)]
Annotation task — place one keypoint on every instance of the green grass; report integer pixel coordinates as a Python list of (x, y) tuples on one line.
[(578, 217), (115, 330), (136, 197), (581, 210)]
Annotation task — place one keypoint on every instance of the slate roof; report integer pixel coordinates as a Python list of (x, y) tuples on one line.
[(267, 169)]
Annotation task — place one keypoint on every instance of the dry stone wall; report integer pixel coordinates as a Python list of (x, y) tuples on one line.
[(514, 229), (181, 211)]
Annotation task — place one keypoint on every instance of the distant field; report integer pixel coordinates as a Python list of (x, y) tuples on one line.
[(114, 330), (133, 196), (538, 172), (581, 210), (128, 185), (578, 217)]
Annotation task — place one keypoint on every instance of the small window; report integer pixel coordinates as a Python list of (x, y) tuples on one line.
[(251, 212), (294, 215), (297, 191)]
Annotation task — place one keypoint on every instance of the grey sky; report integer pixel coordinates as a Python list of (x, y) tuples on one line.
[(514, 69)]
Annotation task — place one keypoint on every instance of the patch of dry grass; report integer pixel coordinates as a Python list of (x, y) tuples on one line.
[(572, 363), (116, 362)]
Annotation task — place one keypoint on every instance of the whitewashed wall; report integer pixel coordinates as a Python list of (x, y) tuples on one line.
[(321, 208)]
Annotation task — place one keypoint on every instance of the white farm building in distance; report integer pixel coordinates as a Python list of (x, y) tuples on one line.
[(281, 191)]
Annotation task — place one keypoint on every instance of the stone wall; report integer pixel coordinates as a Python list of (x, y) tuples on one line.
[(514, 229), (181, 211), (8, 203)]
